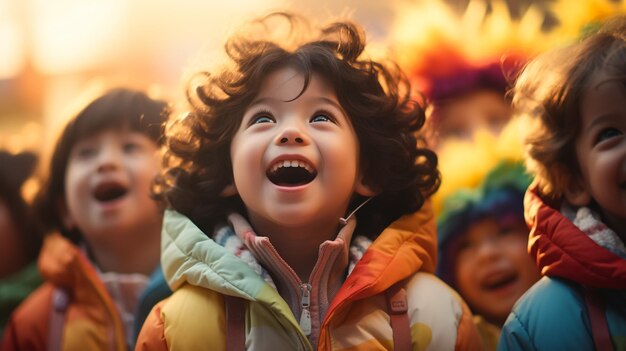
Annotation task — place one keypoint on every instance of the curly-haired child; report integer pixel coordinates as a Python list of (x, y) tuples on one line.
[(266, 245), (576, 208), (101, 258)]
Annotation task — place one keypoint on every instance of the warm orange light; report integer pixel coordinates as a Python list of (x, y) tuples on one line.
[(11, 41), (77, 35)]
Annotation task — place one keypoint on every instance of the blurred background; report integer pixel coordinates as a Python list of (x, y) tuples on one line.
[(51, 52)]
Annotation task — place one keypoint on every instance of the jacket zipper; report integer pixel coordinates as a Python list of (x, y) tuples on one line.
[(271, 257), (290, 277), (305, 316)]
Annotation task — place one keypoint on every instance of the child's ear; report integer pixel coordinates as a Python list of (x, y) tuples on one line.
[(363, 189), (229, 190), (576, 192), (66, 219)]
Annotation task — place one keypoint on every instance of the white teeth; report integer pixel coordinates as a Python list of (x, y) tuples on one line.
[(292, 163)]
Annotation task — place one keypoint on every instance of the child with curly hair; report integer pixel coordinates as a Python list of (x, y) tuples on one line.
[(100, 259), (576, 208), (298, 206)]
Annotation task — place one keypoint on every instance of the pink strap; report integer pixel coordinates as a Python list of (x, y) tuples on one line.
[(397, 306), (60, 302), (235, 323), (597, 316)]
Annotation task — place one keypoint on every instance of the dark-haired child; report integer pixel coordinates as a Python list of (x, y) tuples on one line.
[(576, 99), (265, 244), (20, 235), (482, 236), (102, 270)]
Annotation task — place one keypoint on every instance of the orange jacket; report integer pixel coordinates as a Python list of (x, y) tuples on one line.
[(91, 320)]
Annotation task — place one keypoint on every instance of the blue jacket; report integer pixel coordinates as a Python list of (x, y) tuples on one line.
[(553, 315)]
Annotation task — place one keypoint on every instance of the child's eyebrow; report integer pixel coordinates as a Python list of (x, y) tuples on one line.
[(616, 80), (271, 100), (263, 100), (604, 118), (331, 102)]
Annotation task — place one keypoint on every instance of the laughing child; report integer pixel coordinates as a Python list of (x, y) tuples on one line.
[(264, 242), (483, 238), (576, 99), (102, 269)]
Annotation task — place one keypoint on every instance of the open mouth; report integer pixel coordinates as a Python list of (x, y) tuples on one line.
[(109, 191), (499, 281), (291, 173)]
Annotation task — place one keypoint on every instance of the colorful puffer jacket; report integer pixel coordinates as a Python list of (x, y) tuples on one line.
[(91, 319), (201, 272), (553, 315)]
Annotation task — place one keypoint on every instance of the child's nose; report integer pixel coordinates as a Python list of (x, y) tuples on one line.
[(292, 136), (109, 159), (488, 249)]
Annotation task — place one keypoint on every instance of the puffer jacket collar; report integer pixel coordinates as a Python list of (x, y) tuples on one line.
[(560, 249), (407, 246), (190, 256), (65, 266)]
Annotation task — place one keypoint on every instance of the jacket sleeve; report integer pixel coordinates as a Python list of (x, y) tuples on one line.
[(551, 315), (22, 336), (152, 336), (515, 336), (10, 340), (27, 328), (435, 307)]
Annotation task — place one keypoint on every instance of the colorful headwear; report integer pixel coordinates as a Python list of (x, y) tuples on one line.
[(447, 55), (577, 19), (481, 178)]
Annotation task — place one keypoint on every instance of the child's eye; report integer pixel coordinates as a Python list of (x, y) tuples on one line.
[(263, 117), (466, 245), (506, 231), (131, 146), (84, 152), (607, 133), (322, 117)]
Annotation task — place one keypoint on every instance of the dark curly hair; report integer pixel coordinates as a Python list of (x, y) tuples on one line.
[(115, 109), (375, 96), (549, 91)]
